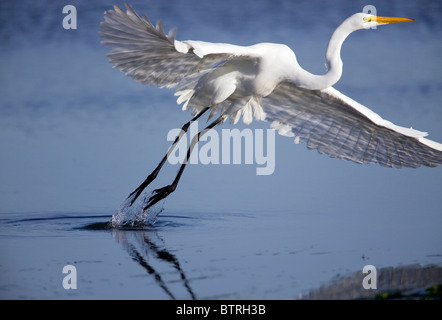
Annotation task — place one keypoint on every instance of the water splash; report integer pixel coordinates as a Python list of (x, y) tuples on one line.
[(134, 215)]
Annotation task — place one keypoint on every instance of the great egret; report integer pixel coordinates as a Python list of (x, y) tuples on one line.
[(263, 81)]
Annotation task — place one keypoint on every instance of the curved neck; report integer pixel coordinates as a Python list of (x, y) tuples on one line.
[(334, 63)]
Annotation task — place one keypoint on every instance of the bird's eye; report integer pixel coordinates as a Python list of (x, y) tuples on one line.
[(367, 19)]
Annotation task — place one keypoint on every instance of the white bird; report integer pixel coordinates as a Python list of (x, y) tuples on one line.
[(263, 81)]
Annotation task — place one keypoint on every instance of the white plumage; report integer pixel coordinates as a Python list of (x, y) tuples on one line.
[(265, 82)]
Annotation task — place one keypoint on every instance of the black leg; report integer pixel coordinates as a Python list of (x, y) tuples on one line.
[(165, 191), (151, 177)]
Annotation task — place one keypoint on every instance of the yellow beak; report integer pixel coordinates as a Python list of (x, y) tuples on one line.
[(384, 20)]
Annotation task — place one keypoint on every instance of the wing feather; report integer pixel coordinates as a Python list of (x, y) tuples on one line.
[(144, 52), (336, 125)]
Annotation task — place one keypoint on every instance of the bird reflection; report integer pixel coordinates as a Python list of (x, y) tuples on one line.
[(144, 244)]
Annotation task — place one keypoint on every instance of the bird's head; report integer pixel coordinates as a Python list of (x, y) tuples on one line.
[(367, 21)]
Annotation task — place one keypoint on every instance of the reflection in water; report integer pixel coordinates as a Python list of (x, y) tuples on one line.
[(142, 244), (407, 282)]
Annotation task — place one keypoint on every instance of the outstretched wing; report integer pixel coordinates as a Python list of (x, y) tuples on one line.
[(146, 54), (336, 125)]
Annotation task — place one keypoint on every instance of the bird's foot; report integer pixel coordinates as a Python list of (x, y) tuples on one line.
[(136, 193), (159, 194)]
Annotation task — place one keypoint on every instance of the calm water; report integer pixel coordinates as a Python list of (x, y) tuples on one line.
[(76, 137)]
